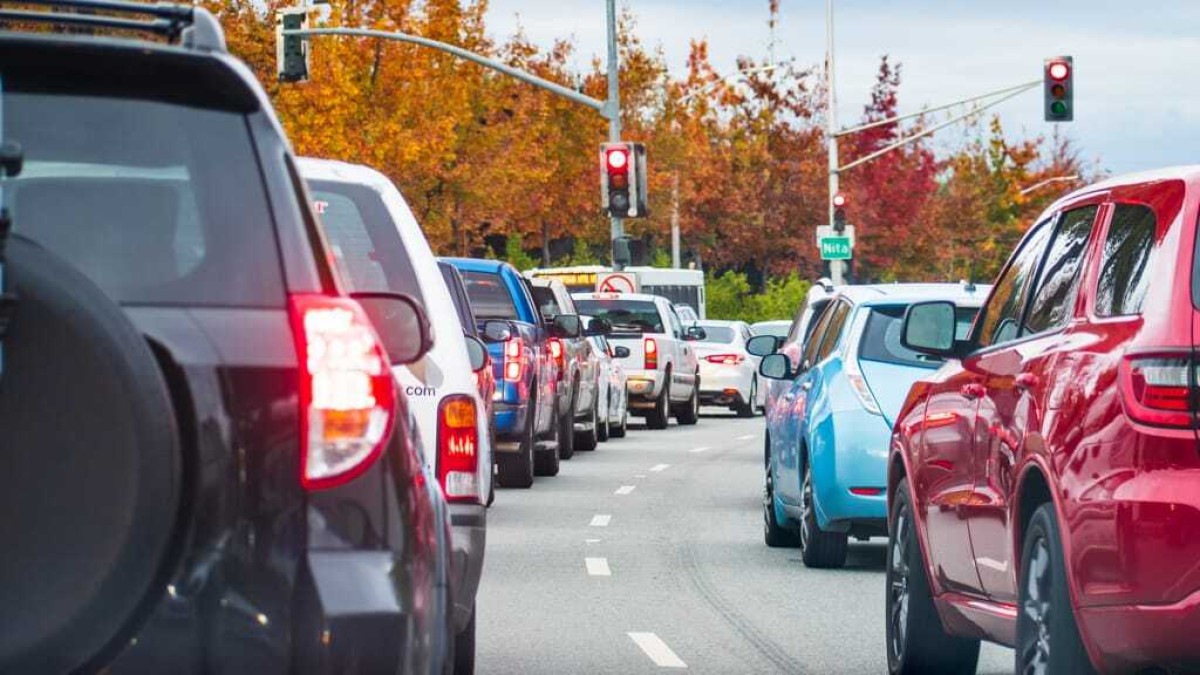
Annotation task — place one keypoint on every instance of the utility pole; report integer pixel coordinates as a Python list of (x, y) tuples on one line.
[(836, 267), (614, 106), (675, 260)]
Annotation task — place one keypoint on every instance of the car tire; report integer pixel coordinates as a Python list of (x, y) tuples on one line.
[(464, 648), (658, 416), (818, 549), (917, 644), (750, 407), (775, 535), (619, 430), (516, 470), (546, 460), (689, 414), (566, 426), (1047, 634), (93, 468), (585, 441), (604, 430)]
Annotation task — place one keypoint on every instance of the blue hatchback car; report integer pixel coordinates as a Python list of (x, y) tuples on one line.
[(828, 431)]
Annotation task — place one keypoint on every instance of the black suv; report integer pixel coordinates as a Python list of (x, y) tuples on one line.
[(204, 461)]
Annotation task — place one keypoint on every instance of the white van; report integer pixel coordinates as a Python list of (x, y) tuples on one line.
[(378, 246)]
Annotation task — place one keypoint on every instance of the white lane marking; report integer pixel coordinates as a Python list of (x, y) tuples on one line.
[(657, 650), (601, 520), (598, 567), (747, 437), (592, 541), (700, 449), (625, 489), (659, 467), (639, 475)]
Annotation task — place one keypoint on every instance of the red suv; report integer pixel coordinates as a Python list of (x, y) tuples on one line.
[(1044, 485)]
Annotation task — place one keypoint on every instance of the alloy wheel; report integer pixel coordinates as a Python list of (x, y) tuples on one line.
[(898, 578), (806, 515), (1035, 654)]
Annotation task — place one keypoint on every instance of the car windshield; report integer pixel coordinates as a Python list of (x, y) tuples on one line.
[(165, 206), (881, 337), (626, 316), (718, 334), (367, 249), (489, 296)]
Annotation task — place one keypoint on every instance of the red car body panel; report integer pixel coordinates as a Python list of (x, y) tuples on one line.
[(979, 439)]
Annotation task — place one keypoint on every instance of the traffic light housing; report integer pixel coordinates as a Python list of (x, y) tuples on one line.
[(1058, 78), (623, 184), (291, 51), (839, 213)]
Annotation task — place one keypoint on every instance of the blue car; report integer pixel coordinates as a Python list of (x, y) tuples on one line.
[(828, 431)]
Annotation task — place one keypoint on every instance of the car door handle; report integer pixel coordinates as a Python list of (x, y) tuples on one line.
[(972, 391), (806, 386), (1026, 381)]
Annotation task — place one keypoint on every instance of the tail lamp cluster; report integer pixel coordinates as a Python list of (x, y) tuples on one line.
[(725, 359), (557, 352), (650, 349), (514, 366), (458, 449), (1160, 390)]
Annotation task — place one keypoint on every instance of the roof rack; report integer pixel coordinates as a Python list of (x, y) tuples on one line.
[(192, 27)]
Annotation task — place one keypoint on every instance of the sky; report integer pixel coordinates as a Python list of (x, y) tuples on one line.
[(1135, 63)]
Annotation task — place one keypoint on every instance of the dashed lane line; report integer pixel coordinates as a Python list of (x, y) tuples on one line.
[(657, 650), (659, 467), (700, 449), (600, 520), (597, 567), (747, 437), (625, 489)]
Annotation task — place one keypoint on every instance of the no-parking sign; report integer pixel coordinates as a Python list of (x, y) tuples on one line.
[(617, 282)]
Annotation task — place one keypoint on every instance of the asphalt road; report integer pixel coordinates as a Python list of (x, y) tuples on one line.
[(647, 555)]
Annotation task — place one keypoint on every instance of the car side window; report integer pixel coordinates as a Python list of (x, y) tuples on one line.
[(676, 324), (1059, 281), (813, 341), (833, 334), (1123, 263), (1002, 315)]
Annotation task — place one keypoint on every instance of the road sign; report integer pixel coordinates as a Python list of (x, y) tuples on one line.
[(836, 248), (617, 282), (824, 231)]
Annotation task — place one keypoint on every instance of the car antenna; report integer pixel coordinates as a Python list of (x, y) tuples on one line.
[(969, 282)]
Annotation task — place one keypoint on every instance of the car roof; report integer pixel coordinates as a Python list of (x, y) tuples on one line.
[(772, 322), (718, 323), (314, 168), (896, 294), (477, 264), (617, 296)]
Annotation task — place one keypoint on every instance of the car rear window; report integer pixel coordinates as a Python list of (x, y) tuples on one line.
[(881, 337), (157, 203), (718, 334), (367, 248), (626, 316), (489, 296)]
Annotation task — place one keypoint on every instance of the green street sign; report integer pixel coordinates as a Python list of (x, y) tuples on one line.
[(835, 248)]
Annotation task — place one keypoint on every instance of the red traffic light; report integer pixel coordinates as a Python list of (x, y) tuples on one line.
[(839, 200), (617, 160), (1058, 70)]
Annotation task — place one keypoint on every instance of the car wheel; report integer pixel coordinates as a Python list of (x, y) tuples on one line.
[(750, 407), (916, 642), (1047, 636), (585, 441), (818, 549), (605, 429), (774, 534), (464, 648), (656, 417), (619, 430), (516, 470), (546, 459), (689, 414), (566, 427)]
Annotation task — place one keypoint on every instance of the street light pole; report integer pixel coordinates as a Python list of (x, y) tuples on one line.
[(836, 267), (614, 107)]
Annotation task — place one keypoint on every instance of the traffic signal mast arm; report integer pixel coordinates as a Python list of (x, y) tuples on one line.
[(607, 109)]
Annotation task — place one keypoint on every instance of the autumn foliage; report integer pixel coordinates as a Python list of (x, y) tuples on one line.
[(482, 157)]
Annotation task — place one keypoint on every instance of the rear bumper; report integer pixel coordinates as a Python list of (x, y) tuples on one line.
[(721, 384), (468, 527), (644, 387), (1128, 638)]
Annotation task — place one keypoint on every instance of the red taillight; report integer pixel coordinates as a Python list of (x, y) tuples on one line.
[(513, 352), (458, 449), (866, 491), (347, 394), (1159, 390), (725, 359), (650, 349), (556, 352)]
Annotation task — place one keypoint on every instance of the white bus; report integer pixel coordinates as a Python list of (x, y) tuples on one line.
[(681, 287)]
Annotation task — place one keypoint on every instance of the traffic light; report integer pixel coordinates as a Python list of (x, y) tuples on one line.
[(839, 213), (623, 180), (1059, 86), (291, 51)]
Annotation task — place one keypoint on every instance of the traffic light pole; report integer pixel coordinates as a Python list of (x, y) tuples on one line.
[(614, 121), (837, 268)]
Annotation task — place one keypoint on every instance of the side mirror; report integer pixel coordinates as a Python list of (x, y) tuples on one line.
[(694, 334), (929, 328), (401, 324), (598, 327), (477, 353), (495, 330), (762, 345), (566, 326), (621, 352), (776, 367)]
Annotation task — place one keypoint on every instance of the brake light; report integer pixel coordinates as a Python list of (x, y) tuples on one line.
[(556, 352), (725, 359), (858, 384), (866, 491), (1159, 390), (347, 394), (458, 449), (650, 349), (512, 360)]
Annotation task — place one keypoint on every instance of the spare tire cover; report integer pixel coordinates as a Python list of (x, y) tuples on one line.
[(90, 468)]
